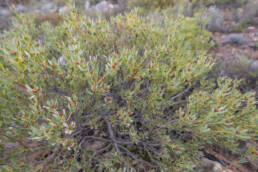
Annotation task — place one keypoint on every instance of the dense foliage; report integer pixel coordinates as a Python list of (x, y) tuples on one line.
[(124, 93)]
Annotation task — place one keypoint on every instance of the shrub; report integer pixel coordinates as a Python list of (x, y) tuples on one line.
[(250, 14), (124, 93), (235, 3), (161, 4), (152, 4)]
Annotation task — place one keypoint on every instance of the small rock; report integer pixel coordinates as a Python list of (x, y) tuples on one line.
[(235, 38), (104, 7), (49, 7), (217, 167), (208, 164), (92, 146), (4, 23), (251, 28), (254, 68), (4, 12), (87, 5), (21, 8), (212, 166), (62, 9), (62, 61)]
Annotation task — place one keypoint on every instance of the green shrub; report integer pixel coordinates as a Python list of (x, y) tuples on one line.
[(124, 93), (152, 4), (161, 4), (230, 2)]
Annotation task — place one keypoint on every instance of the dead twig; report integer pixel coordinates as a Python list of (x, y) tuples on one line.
[(129, 153), (112, 137), (95, 138), (179, 102), (182, 93), (100, 151), (48, 160), (16, 140)]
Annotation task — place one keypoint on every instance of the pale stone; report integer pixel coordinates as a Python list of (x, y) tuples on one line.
[(62, 61), (87, 5)]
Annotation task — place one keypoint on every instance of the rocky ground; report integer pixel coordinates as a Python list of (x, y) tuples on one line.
[(237, 55), (44, 7), (235, 33)]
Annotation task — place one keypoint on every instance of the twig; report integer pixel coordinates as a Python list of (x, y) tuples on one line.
[(58, 91), (106, 140), (183, 92), (100, 151), (168, 123), (178, 102), (149, 144), (112, 137), (117, 149), (96, 138), (148, 152), (51, 157), (124, 142), (151, 148), (135, 157), (48, 160), (13, 138)]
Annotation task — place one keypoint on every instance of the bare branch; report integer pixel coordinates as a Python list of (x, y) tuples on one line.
[(112, 137), (48, 160), (58, 91), (150, 144), (124, 142), (96, 138), (106, 140), (149, 153), (183, 92), (100, 151), (129, 153), (16, 140), (117, 149), (179, 102)]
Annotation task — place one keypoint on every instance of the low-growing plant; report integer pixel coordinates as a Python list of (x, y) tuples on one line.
[(162, 4), (126, 93), (152, 4)]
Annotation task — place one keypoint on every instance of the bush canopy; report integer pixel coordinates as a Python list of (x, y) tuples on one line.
[(124, 93)]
